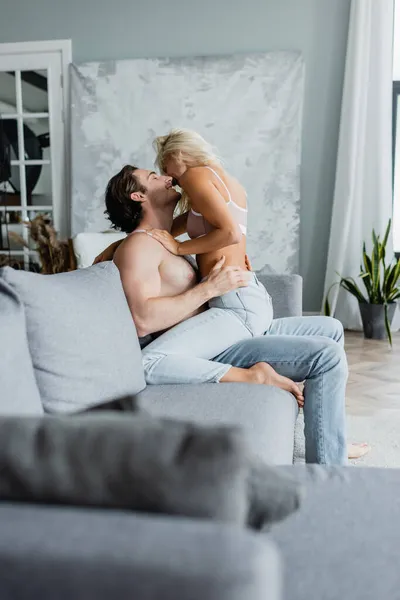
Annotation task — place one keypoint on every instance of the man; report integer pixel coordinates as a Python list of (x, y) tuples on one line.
[(162, 290)]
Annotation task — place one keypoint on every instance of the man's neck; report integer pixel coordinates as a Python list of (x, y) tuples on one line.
[(157, 219)]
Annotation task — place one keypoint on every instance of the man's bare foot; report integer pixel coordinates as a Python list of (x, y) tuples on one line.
[(263, 373), (357, 450)]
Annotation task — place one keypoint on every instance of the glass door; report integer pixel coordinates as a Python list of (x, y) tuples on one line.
[(32, 151)]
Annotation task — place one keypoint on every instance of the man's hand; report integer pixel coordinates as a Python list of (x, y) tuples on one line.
[(222, 280), (247, 262), (108, 253), (166, 239)]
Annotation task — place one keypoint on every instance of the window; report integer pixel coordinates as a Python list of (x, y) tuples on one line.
[(32, 143), (396, 130)]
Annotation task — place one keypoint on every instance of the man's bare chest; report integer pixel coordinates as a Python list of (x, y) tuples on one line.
[(177, 273)]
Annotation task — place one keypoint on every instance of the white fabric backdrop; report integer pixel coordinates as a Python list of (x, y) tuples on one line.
[(249, 106), (363, 190)]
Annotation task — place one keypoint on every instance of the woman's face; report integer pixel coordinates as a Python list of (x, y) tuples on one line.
[(174, 167)]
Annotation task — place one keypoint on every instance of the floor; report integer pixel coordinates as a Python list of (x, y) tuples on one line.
[(374, 375), (372, 402)]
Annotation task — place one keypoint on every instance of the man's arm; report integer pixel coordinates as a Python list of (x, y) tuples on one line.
[(138, 261), (108, 253)]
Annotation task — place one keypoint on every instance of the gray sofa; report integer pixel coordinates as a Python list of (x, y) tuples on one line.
[(70, 347)]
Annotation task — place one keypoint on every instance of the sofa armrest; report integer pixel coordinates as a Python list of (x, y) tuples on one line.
[(286, 292)]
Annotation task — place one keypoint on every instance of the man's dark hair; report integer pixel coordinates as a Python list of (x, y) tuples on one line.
[(123, 212)]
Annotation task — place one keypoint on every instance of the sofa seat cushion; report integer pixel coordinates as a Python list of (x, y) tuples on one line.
[(266, 414), (19, 394), (66, 553), (81, 336), (343, 543)]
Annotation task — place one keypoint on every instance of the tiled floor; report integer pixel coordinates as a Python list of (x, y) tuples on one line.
[(374, 379)]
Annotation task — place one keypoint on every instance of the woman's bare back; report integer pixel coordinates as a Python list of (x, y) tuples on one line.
[(235, 254)]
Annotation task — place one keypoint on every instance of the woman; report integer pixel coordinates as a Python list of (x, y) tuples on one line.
[(214, 207), (216, 223)]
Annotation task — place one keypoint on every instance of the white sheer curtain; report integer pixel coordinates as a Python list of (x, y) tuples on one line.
[(363, 189)]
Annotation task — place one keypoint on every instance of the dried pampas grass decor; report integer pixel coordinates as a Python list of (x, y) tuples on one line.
[(54, 254)]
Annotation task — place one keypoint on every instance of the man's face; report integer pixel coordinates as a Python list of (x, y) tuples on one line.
[(159, 187)]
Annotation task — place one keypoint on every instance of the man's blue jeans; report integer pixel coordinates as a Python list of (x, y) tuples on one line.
[(307, 349)]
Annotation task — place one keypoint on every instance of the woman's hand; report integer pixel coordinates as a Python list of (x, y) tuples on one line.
[(166, 239)]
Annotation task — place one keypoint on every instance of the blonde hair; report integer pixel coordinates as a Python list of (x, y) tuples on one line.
[(193, 149)]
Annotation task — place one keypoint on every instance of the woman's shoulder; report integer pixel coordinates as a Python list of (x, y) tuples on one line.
[(197, 175)]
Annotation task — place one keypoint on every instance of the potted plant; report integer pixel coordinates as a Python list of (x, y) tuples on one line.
[(381, 282)]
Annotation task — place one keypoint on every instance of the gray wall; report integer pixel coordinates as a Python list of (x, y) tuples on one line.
[(104, 29)]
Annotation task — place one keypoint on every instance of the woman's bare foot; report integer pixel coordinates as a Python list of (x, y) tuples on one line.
[(357, 450), (263, 373)]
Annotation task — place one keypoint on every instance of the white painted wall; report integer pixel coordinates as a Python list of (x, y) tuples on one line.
[(101, 29)]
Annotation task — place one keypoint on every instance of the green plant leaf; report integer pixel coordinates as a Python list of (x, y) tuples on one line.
[(350, 285), (387, 326), (367, 262), (367, 283), (327, 307), (397, 273), (385, 237), (375, 270), (385, 279), (393, 277)]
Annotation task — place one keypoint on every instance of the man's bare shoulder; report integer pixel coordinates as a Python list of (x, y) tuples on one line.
[(138, 248)]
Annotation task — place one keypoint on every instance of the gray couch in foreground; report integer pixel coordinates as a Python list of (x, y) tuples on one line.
[(69, 346)]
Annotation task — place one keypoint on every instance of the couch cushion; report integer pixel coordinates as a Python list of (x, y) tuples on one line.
[(64, 553), (81, 336), (19, 394), (134, 461), (343, 543), (286, 292), (266, 414), (88, 245), (142, 463)]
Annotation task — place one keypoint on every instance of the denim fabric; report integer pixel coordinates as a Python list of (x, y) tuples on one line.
[(251, 304), (183, 354), (307, 349)]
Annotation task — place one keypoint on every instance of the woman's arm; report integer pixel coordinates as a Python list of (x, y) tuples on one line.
[(179, 225), (205, 199)]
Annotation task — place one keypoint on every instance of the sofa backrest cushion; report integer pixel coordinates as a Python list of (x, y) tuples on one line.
[(88, 245), (19, 394), (142, 463), (138, 462), (81, 336)]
